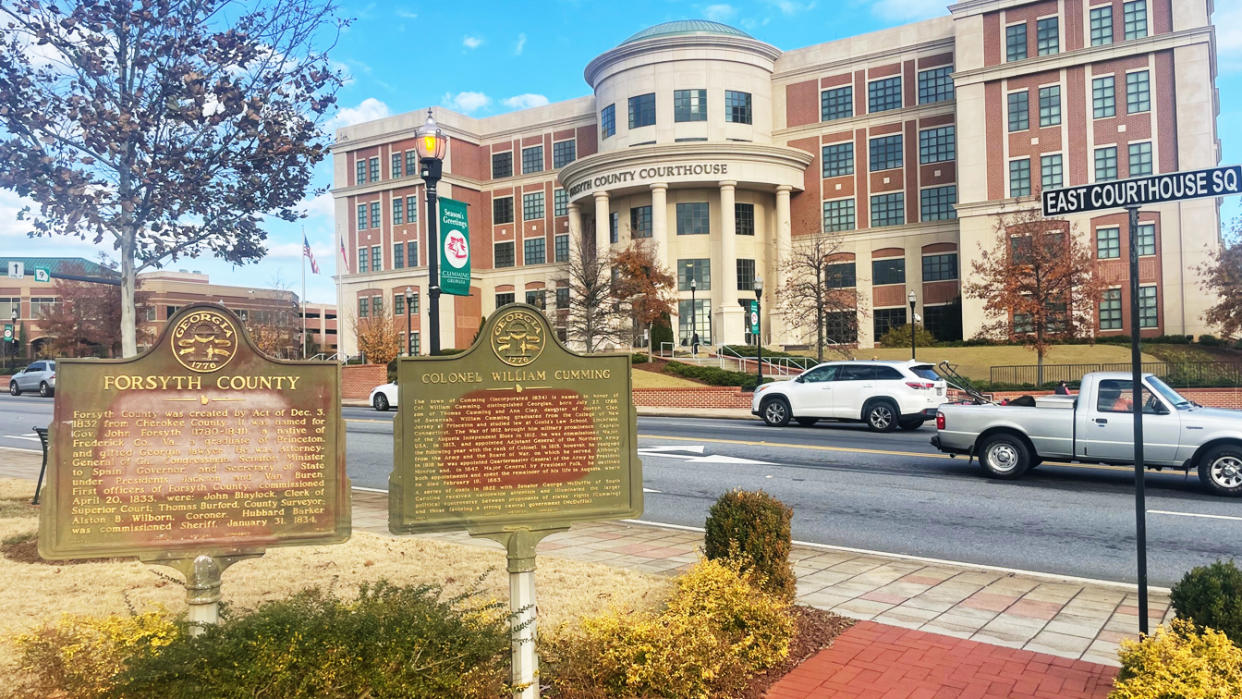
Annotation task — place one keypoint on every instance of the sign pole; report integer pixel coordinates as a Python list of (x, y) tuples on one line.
[(1136, 367)]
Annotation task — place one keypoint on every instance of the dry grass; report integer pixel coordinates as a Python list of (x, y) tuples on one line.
[(35, 593), (976, 362)]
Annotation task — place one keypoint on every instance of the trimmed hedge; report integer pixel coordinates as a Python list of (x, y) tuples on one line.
[(752, 529), (1211, 597), (713, 376)]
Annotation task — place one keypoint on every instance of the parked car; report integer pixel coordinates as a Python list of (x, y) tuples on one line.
[(40, 376), (884, 394), (384, 396), (1097, 426)]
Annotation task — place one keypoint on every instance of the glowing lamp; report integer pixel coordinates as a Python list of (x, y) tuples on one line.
[(430, 141)]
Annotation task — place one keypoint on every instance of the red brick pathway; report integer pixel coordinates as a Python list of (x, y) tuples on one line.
[(889, 662)]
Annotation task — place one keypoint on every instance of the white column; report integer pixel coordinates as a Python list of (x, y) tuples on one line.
[(775, 279), (602, 244), (575, 226), (659, 222), (729, 325)]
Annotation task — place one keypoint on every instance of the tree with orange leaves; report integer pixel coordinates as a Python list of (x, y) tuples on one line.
[(1222, 279), (378, 337), (644, 283), (1042, 278)]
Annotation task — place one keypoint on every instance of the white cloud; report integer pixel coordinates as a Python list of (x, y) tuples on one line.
[(406, 14), (720, 12), (466, 101), (521, 44), (907, 10), (293, 250), (790, 8), (320, 206), (1228, 23), (472, 42), (369, 110), (525, 101)]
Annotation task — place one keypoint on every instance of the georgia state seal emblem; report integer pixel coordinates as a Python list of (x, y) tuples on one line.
[(204, 341), (517, 338)]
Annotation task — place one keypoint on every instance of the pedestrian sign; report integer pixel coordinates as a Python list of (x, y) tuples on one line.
[(17, 270), (41, 274)]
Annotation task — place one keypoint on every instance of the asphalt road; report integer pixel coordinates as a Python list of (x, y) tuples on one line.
[(891, 493)]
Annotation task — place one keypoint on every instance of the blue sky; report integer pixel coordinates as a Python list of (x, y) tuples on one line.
[(484, 58)]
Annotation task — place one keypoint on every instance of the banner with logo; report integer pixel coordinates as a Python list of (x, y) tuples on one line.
[(752, 315), (455, 254)]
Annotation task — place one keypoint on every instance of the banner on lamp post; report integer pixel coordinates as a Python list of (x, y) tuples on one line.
[(455, 248), (752, 316)]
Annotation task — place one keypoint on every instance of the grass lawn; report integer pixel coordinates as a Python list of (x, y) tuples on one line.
[(646, 378)]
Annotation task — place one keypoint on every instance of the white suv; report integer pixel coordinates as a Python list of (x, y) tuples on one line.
[(883, 394)]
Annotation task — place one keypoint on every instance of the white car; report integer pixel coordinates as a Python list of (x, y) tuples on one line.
[(884, 394), (384, 396), (40, 376)]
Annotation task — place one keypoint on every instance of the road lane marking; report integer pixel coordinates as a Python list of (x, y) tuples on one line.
[(27, 451), (366, 419), (652, 490), (1193, 514), (369, 490), (695, 448)]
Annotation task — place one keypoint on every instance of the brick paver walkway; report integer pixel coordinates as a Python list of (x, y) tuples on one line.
[(876, 660)]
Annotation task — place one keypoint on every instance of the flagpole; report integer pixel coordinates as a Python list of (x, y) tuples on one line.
[(304, 244)]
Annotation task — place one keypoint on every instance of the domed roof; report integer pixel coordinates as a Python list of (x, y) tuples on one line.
[(686, 27)]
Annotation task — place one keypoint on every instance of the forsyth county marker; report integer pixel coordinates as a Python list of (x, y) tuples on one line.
[(199, 453), (514, 439)]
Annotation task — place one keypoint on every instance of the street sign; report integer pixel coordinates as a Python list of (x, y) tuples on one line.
[(17, 270), (1139, 191), (42, 274), (455, 234), (753, 316)]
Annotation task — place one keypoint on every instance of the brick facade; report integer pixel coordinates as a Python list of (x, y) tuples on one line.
[(705, 397), (358, 380)]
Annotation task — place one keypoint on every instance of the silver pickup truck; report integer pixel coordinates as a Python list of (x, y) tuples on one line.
[(1097, 426)]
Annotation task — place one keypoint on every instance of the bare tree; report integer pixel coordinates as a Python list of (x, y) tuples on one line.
[(816, 295), (168, 128), (596, 318)]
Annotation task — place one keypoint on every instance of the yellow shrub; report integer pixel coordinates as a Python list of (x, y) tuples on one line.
[(1180, 662), (79, 655)]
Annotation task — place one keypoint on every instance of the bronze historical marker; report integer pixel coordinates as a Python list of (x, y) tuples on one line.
[(199, 447), (517, 431)]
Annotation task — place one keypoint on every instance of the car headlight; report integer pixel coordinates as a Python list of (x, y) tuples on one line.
[(762, 387)]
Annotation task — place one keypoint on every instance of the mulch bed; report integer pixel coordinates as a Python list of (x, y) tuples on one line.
[(816, 629)]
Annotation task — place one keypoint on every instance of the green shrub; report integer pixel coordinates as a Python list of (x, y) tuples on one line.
[(661, 332), (390, 642), (899, 336), (1211, 341), (1211, 596), (752, 528), (1179, 662), (713, 376), (638, 358), (751, 351)]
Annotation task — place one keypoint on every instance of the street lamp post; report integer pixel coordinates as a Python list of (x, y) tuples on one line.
[(694, 326), (13, 349), (409, 313), (911, 298), (431, 143), (759, 327)]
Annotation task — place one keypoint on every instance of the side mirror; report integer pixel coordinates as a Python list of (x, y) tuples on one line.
[(799, 379)]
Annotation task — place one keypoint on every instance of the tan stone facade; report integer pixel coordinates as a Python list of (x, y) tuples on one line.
[(727, 153)]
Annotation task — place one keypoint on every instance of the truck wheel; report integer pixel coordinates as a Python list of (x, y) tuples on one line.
[(1220, 470), (881, 416), (807, 421), (775, 412), (1005, 456)]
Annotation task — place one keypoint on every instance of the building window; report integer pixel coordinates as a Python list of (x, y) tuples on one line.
[(642, 110), (689, 105), (398, 255), (1047, 40), (937, 145), (1138, 92), (362, 216), (1134, 19), (937, 268), (701, 316), (945, 322), (411, 253), (1015, 42), (360, 171), (532, 206), (532, 160), (888, 209), (411, 162), (886, 152), (840, 275), (534, 251), (375, 214), (560, 202), (608, 121), (411, 209), (1106, 164), (396, 165), (1103, 97), (502, 210), (745, 274), (148, 313), (364, 260), (640, 222), (1149, 317), (398, 211), (502, 164), (839, 215), (936, 85), (562, 297), (504, 254), (693, 219), (838, 159), (504, 299), (1019, 111), (614, 226), (1020, 177), (1050, 105), (564, 153), (837, 103), (700, 270), (1108, 243), (537, 298), (414, 348), (737, 107), (1140, 159), (41, 304), (1146, 239), (364, 307), (1051, 171), (376, 259), (398, 304), (560, 248), (888, 318), (1102, 25), (744, 219), (840, 327), (1110, 310), (937, 203), (884, 94), (414, 305), (373, 163), (377, 306)]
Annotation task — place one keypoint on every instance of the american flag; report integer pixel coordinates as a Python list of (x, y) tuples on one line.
[(344, 256), (307, 252)]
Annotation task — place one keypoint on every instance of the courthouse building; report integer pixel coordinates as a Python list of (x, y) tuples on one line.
[(728, 153)]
